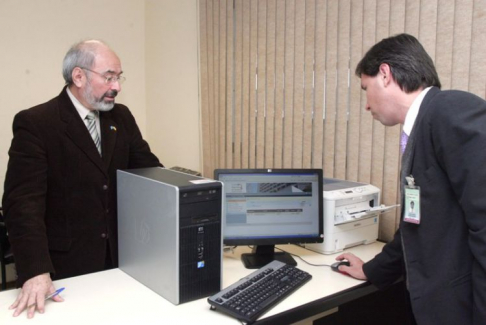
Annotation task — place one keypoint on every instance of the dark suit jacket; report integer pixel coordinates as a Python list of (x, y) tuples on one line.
[(60, 195), (443, 258)]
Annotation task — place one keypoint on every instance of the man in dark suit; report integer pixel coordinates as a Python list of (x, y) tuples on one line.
[(441, 250), (60, 188)]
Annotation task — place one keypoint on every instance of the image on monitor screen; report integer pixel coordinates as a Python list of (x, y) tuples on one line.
[(266, 207)]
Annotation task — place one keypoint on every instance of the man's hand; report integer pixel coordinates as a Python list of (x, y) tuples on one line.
[(356, 266), (32, 295)]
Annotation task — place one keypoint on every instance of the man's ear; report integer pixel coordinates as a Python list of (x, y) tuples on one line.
[(385, 73), (78, 76)]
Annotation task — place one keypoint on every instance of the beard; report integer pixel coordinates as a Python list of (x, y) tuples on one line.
[(99, 103)]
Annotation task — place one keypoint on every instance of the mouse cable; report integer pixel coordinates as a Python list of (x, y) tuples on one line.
[(298, 256), (231, 249)]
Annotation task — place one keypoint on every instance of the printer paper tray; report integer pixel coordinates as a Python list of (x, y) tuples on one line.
[(368, 214)]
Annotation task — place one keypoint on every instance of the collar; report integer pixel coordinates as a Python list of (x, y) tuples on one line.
[(82, 110), (413, 111)]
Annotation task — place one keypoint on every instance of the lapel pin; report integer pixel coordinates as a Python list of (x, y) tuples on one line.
[(113, 128)]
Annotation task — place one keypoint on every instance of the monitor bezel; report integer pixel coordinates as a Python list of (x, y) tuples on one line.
[(319, 238)]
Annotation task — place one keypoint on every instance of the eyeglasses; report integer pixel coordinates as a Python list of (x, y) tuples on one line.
[(109, 80)]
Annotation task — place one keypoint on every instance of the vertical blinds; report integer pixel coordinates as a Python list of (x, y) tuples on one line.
[(278, 88)]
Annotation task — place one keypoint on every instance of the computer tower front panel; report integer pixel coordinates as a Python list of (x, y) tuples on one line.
[(200, 245)]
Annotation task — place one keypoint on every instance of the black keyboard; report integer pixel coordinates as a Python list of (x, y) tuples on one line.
[(254, 295)]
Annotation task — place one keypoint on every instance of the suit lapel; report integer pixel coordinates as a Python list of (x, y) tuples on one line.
[(108, 137), (76, 130), (408, 155)]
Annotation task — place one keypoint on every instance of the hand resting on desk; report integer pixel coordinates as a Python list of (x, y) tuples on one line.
[(356, 266), (32, 295)]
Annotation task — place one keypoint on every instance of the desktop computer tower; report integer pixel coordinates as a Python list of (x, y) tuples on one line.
[(170, 232)]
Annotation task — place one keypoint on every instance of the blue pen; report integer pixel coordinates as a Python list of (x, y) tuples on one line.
[(49, 296)]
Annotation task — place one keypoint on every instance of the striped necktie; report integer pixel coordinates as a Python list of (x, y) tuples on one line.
[(91, 125), (403, 141)]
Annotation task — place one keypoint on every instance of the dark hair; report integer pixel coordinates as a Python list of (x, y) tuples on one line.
[(410, 65)]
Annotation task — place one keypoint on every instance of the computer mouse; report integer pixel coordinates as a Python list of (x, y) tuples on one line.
[(335, 266)]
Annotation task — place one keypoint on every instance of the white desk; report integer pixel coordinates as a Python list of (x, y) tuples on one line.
[(113, 297)]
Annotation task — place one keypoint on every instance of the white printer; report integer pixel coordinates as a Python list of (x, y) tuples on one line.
[(351, 215)]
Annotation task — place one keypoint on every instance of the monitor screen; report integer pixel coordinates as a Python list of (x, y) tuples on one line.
[(265, 207)]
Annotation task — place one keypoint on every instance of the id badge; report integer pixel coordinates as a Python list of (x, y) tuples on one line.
[(411, 212)]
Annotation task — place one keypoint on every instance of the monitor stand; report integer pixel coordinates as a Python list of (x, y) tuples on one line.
[(261, 255)]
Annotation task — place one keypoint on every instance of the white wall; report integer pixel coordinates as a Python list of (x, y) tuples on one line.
[(155, 40), (172, 81), (35, 35)]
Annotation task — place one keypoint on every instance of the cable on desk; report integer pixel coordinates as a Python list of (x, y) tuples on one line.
[(298, 256), (231, 249)]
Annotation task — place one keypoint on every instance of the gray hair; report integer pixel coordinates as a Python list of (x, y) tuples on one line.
[(81, 54)]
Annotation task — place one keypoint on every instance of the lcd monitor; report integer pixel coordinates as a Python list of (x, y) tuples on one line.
[(266, 207)]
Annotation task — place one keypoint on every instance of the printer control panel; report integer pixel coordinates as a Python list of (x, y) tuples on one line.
[(349, 192)]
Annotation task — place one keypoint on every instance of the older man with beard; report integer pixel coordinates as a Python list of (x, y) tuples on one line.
[(60, 187)]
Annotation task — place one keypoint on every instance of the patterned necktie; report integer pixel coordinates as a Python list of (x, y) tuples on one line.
[(91, 118), (403, 141)]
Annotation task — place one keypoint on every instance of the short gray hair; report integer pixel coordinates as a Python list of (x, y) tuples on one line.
[(81, 54)]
